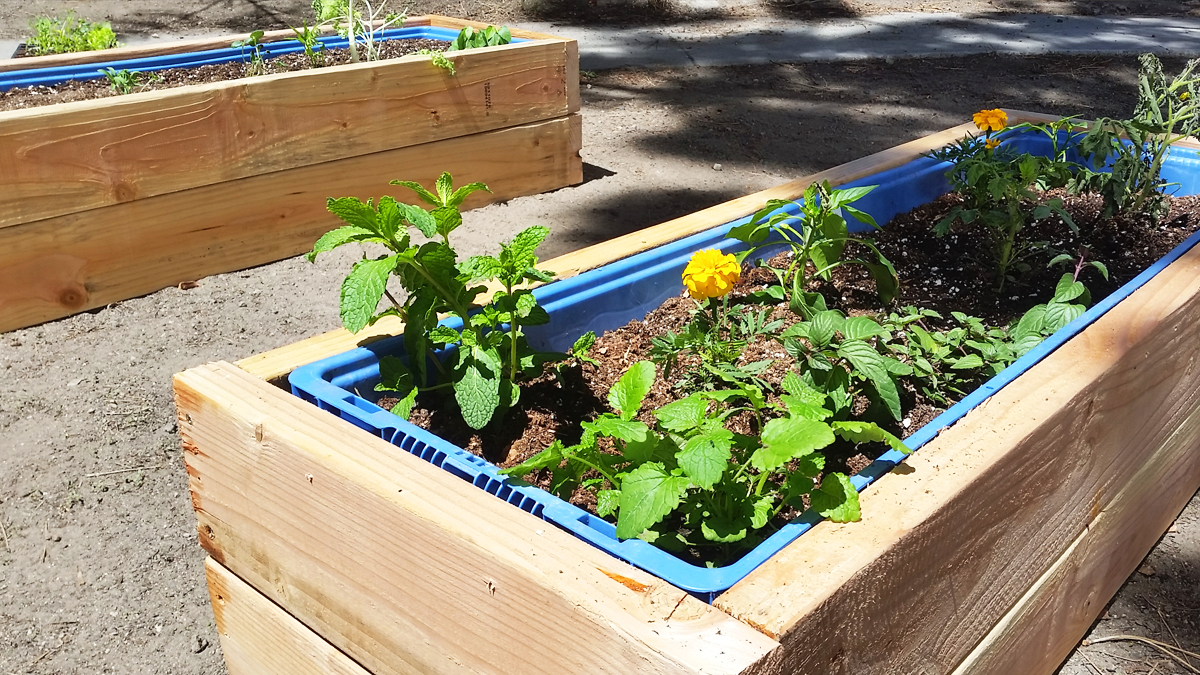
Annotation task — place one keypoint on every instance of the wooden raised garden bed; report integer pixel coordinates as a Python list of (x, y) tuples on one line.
[(991, 550), (109, 199)]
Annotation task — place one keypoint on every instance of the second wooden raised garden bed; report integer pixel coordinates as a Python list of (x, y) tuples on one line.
[(109, 199), (990, 550)]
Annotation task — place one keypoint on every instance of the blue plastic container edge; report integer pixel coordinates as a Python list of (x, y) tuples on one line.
[(91, 71), (310, 379)]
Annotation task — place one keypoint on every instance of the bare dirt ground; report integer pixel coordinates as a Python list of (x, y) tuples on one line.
[(100, 569)]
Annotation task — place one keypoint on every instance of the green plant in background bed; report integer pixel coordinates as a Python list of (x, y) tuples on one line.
[(998, 190), (470, 38), (1166, 112), (314, 49), (485, 364), (52, 35), (818, 236), (689, 481), (256, 65)]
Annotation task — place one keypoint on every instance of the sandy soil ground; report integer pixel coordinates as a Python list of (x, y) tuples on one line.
[(100, 569)]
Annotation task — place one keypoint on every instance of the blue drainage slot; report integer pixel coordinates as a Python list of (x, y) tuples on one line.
[(91, 71), (611, 296)]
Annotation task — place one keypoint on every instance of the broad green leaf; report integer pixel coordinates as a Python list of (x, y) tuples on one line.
[(362, 290), (648, 494), (861, 216), (547, 459), (448, 219), (798, 408), (478, 387), (607, 502), (639, 440), (525, 303), (1032, 323), (404, 406), (887, 284), (463, 192), (420, 219), (763, 507), (861, 328), (724, 530), (627, 394), (868, 432), (785, 439), (525, 243), (1059, 314), (924, 339), (823, 325), (836, 499), (801, 392), (390, 217), (481, 267), (445, 187), (394, 375), (342, 235), (583, 344), (705, 456), (682, 415), (1068, 289), (968, 362), (421, 320), (355, 212), (871, 364), (425, 195), (443, 335)]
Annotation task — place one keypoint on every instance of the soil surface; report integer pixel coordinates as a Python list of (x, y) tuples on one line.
[(86, 90), (100, 567)]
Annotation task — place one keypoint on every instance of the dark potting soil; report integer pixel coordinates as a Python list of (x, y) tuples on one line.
[(86, 90), (948, 274)]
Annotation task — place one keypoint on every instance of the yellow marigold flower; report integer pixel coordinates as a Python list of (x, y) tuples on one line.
[(1184, 96), (711, 274), (991, 143), (991, 120)]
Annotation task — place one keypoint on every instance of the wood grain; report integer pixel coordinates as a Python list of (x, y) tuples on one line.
[(276, 364), (407, 568), (1102, 434), (59, 266), (75, 157), (259, 638)]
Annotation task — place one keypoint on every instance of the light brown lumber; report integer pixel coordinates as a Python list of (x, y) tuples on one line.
[(405, 567), (259, 638), (59, 266), (1104, 428), (74, 157), (165, 47), (277, 363)]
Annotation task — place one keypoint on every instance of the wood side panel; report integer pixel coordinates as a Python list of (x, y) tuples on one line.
[(1038, 634), (409, 569), (951, 544), (74, 157), (259, 638), (59, 266)]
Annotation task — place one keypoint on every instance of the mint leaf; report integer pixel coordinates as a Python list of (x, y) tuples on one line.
[(362, 290), (420, 219), (342, 235), (479, 267), (1059, 314), (836, 499), (705, 456), (524, 244), (355, 212), (869, 363), (627, 394), (445, 187), (785, 439), (404, 406), (463, 192), (425, 195), (478, 387), (861, 328), (448, 219), (607, 502), (648, 494), (549, 458), (823, 326)]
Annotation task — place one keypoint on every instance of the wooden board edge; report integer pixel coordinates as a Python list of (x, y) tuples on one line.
[(901, 567), (263, 463), (260, 638), (57, 267)]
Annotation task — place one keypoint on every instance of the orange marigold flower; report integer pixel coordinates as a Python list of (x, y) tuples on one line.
[(991, 143), (711, 274), (991, 120)]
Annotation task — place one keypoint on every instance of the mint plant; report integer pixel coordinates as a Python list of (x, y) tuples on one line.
[(686, 480), (1167, 111), (484, 363), (817, 235)]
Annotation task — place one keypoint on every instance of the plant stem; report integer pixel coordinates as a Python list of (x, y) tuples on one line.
[(351, 29)]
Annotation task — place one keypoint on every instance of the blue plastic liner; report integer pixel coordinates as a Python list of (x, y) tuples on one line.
[(268, 50), (611, 296)]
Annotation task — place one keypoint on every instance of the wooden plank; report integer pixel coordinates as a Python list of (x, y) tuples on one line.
[(73, 157), (58, 266), (259, 638), (1103, 429), (276, 364), (409, 569), (1038, 634)]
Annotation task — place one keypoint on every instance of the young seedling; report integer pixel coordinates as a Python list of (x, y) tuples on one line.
[(72, 34), (256, 65)]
